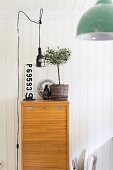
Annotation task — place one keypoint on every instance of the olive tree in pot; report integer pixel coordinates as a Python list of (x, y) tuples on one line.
[(58, 57)]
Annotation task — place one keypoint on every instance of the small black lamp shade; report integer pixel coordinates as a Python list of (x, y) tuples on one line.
[(40, 60)]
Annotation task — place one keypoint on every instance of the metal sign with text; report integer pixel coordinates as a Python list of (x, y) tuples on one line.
[(29, 91)]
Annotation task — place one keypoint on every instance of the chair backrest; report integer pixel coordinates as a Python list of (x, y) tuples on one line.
[(88, 162)]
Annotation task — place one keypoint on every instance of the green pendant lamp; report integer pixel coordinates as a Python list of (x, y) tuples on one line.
[(97, 22)]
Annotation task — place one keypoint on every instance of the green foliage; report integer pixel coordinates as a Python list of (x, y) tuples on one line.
[(58, 56)]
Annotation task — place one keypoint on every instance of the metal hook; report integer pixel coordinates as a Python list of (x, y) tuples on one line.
[(41, 12), (40, 17)]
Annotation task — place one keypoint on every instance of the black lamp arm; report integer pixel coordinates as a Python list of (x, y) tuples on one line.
[(39, 21), (40, 17)]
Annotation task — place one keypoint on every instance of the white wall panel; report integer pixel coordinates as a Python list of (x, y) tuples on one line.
[(89, 74), (11, 82), (107, 107), (99, 116), (8, 89), (3, 109), (91, 97)]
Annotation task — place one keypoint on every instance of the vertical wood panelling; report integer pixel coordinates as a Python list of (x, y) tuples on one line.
[(107, 107), (83, 96), (99, 115), (11, 67), (3, 109), (111, 150), (91, 97), (74, 98), (89, 74), (51, 42), (8, 92)]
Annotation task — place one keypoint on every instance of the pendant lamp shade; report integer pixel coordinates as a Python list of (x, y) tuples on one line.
[(97, 22)]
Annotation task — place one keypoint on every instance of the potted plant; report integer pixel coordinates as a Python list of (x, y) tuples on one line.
[(58, 57)]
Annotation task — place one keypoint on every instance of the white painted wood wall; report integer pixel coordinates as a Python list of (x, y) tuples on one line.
[(89, 74)]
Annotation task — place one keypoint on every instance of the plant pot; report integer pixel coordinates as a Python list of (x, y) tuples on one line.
[(59, 91)]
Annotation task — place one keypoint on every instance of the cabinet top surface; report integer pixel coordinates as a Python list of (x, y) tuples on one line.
[(49, 102)]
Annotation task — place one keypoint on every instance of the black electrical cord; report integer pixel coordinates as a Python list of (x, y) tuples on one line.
[(18, 66)]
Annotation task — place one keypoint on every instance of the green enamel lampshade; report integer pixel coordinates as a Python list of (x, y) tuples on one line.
[(97, 22)]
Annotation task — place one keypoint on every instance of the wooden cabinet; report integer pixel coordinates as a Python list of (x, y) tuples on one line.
[(45, 135)]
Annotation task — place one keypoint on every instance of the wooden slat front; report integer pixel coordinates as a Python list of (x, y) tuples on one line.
[(44, 136)]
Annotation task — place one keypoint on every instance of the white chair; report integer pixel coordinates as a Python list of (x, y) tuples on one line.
[(87, 162)]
